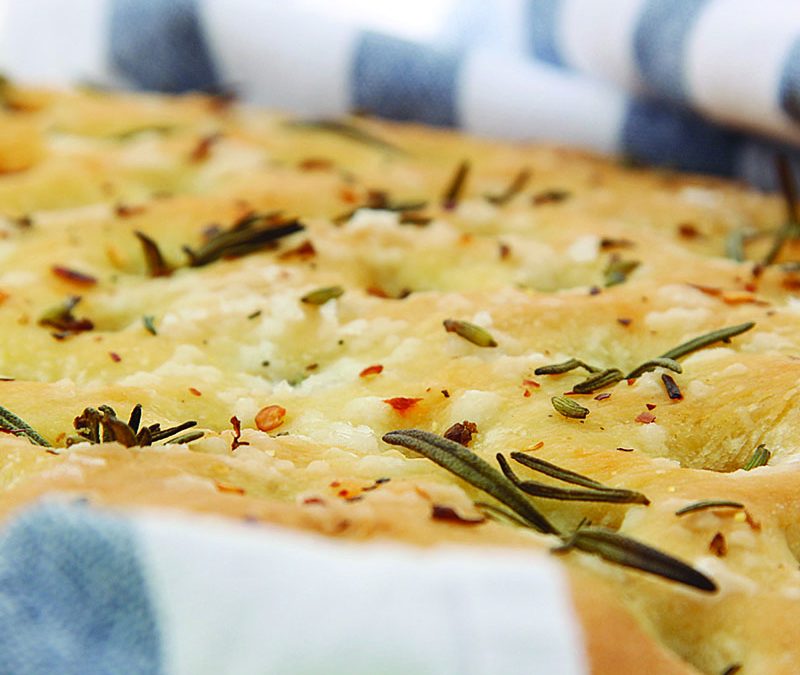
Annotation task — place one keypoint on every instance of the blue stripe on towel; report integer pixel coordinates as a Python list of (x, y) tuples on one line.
[(657, 133), (401, 80), (72, 597), (160, 45), (542, 19), (789, 88), (659, 44)]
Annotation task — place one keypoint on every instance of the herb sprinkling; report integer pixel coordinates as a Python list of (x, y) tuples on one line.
[(15, 425), (606, 543), (455, 189), (470, 332), (708, 504), (569, 408), (157, 266), (593, 492), (322, 295), (760, 457), (249, 234), (517, 185)]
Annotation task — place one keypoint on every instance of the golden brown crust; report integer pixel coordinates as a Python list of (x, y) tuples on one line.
[(84, 171)]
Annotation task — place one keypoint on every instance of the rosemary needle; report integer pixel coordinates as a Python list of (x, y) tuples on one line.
[(721, 335), (594, 494), (622, 550), (598, 381), (569, 408), (760, 457), (19, 427), (565, 367), (652, 364), (708, 504), (470, 332)]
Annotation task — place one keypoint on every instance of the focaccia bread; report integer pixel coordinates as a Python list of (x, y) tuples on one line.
[(302, 289)]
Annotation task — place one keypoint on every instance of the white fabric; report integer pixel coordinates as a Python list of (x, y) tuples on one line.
[(548, 105), (255, 600), (733, 71)]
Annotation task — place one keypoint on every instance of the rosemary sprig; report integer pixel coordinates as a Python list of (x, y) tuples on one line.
[(607, 544), (760, 457), (249, 234), (652, 364), (569, 408), (565, 367), (599, 380), (101, 425), (322, 295), (156, 265), (706, 340), (601, 493), (19, 427), (791, 228), (708, 504), (623, 550), (63, 320), (469, 467), (345, 130), (470, 332), (517, 185), (455, 188)]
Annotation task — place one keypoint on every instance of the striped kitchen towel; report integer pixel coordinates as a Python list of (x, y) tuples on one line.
[(85, 592), (701, 85)]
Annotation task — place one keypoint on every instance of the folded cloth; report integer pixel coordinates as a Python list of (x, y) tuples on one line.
[(83, 592), (700, 85)]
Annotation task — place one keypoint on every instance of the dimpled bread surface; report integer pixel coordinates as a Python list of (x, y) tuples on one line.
[(218, 343)]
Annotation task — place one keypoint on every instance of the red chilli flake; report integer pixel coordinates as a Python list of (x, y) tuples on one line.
[(195, 392), (124, 211), (531, 383), (314, 500), (646, 418), (402, 404), (230, 489), (315, 164), (302, 252), (371, 370), (536, 447), (116, 358), (650, 406), (449, 514), (202, 150), (236, 423), (73, 276), (718, 546), (603, 397)]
